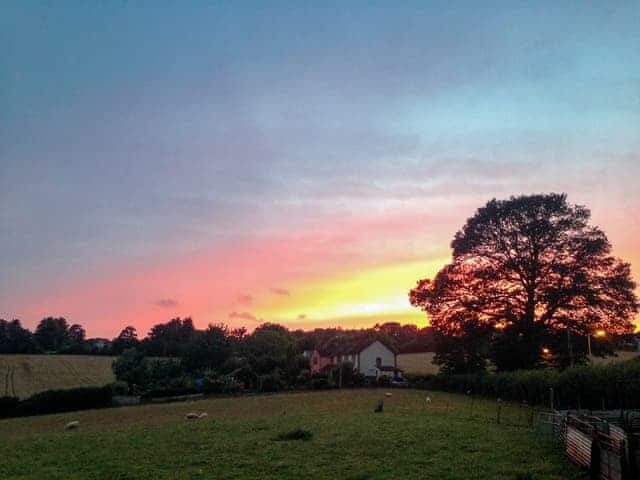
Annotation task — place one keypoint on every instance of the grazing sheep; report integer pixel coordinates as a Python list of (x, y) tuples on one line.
[(388, 394), (72, 425), (203, 415), (191, 416), (428, 399), (379, 406)]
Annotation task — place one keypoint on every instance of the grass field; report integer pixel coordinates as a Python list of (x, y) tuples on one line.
[(421, 363), (417, 363), (410, 439), (23, 375)]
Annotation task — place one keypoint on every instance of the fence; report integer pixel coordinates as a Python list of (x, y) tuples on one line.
[(607, 443)]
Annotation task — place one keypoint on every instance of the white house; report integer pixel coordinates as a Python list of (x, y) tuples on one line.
[(372, 358)]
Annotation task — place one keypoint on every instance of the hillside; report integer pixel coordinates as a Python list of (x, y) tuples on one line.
[(24, 375)]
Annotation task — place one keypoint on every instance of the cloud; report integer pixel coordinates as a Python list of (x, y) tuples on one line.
[(244, 299), (243, 316), (280, 291), (166, 303)]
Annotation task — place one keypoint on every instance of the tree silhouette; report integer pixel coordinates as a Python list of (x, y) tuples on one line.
[(52, 334), (529, 266), (170, 339), (16, 339), (128, 338)]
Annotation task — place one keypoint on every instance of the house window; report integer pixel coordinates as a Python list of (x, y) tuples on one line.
[(378, 362)]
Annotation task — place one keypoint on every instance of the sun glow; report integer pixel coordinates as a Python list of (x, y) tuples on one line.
[(377, 293)]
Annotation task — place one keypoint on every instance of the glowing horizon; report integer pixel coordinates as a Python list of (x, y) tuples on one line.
[(300, 164)]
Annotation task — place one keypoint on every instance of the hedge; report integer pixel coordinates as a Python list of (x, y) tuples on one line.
[(56, 401), (612, 386)]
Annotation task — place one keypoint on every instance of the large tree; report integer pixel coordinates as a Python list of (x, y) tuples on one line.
[(128, 338), (530, 266), (52, 334), (16, 339), (171, 338)]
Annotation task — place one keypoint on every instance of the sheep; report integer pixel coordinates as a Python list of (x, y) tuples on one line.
[(191, 416), (72, 425), (427, 400), (203, 415), (388, 394)]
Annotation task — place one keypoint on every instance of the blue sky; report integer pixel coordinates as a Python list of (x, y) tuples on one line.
[(135, 133)]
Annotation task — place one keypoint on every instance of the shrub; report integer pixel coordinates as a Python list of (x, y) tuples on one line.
[(9, 406), (169, 392), (56, 401), (615, 385), (297, 434), (119, 388), (271, 382)]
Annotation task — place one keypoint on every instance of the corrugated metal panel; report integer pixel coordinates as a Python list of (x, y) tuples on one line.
[(612, 451), (578, 446)]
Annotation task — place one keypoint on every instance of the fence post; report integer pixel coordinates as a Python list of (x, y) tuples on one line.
[(498, 413), (551, 398), (531, 416)]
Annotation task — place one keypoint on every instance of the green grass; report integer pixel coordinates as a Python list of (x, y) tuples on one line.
[(24, 375), (445, 439)]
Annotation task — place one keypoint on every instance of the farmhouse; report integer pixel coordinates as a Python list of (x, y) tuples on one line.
[(372, 358)]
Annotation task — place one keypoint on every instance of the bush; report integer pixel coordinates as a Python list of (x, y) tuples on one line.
[(170, 392), (297, 434), (271, 382), (56, 401), (119, 387), (613, 385), (9, 406)]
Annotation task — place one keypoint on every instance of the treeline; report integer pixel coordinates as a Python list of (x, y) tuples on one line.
[(177, 359), (51, 335), (178, 337)]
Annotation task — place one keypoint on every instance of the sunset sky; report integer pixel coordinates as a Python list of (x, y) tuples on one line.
[(294, 162)]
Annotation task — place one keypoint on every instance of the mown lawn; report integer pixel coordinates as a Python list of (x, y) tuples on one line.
[(445, 439)]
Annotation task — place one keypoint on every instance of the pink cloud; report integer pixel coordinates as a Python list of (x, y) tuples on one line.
[(244, 299), (279, 291), (242, 316)]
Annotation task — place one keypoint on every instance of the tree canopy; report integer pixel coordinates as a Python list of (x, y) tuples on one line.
[(529, 266)]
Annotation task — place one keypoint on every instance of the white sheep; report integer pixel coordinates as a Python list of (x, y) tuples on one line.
[(191, 416), (388, 394), (428, 399), (203, 415), (72, 425)]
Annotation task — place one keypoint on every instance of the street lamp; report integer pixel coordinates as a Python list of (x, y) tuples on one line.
[(599, 334)]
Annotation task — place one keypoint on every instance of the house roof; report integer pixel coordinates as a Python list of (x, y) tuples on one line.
[(351, 348)]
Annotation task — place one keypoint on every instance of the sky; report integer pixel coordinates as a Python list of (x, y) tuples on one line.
[(294, 162)]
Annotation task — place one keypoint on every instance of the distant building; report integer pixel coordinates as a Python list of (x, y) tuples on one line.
[(371, 358), (98, 345)]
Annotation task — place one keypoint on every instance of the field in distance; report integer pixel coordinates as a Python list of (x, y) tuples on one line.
[(418, 363), (447, 438), (24, 375), (421, 363)]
